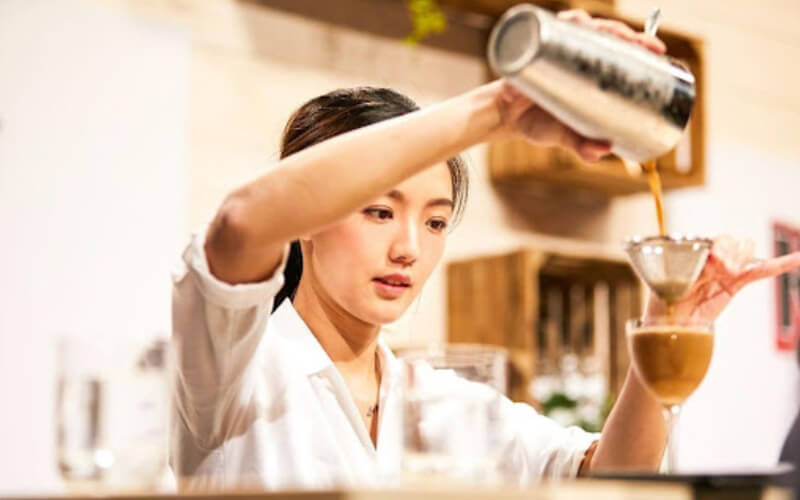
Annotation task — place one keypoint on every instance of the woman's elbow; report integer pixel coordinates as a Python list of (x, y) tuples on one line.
[(230, 232)]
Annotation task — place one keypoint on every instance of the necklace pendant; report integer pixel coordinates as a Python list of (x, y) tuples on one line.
[(372, 410)]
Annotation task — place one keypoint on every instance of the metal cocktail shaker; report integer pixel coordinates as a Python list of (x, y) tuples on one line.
[(603, 87)]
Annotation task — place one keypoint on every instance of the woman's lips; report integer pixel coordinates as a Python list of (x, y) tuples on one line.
[(392, 287)]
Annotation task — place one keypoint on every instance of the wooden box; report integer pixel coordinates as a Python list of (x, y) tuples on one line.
[(540, 305)]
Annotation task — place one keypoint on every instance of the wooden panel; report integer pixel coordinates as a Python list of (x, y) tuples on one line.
[(539, 305), (492, 300), (468, 21), (495, 8), (465, 34), (622, 303)]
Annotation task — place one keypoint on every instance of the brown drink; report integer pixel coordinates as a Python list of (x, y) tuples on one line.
[(654, 179), (671, 360)]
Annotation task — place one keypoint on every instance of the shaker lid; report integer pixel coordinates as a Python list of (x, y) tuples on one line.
[(515, 40)]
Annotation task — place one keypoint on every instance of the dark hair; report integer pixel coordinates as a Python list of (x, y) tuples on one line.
[(338, 112)]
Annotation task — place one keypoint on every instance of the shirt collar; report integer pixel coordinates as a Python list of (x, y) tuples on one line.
[(390, 365), (309, 352)]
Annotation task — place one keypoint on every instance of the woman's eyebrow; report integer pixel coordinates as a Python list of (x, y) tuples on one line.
[(399, 196), (396, 195), (437, 202)]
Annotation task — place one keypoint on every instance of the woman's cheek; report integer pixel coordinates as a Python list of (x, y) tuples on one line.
[(432, 251), (353, 245)]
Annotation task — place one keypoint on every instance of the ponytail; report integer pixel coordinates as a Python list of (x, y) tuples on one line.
[(291, 275)]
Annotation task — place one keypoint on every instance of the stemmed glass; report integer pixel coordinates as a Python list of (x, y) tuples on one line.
[(671, 356)]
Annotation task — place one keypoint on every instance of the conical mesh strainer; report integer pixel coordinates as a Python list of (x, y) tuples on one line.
[(669, 265)]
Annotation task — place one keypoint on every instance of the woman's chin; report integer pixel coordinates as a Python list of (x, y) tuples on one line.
[(386, 312)]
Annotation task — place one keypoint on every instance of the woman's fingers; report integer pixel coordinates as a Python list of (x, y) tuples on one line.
[(726, 249), (772, 267), (591, 150), (728, 269), (652, 43), (625, 32), (575, 15), (719, 274), (510, 93), (745, 252), (616, 28), (588, 149), (513, 105), (542, 128)]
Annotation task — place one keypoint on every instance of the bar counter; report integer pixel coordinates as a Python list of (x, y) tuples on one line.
[(576, 490)]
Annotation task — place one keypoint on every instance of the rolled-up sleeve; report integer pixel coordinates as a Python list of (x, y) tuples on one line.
[(528, 445), (539, 447), (216, 330)]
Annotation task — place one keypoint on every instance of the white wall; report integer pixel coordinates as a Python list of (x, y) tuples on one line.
[(741, 413), (93, 105)]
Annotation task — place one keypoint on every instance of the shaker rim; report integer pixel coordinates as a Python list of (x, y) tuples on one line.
[(530, 52)]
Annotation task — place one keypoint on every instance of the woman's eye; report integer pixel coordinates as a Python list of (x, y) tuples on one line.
[(437, 225), (379, 213)]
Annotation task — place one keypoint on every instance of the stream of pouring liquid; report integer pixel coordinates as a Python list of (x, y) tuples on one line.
[(654, 180)]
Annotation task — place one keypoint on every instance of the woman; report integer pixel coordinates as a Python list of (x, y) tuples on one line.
[(283, 378)]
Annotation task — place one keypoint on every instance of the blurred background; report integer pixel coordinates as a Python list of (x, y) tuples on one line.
[(123, 123)]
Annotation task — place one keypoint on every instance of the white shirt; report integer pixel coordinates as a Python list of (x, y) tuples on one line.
[(259, 403)]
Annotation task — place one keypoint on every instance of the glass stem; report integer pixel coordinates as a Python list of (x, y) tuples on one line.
[(671, 414)]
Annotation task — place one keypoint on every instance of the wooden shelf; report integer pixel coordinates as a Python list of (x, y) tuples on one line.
[(508, 300), (515, 165)]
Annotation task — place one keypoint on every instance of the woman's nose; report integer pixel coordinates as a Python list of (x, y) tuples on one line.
[(405, 248)]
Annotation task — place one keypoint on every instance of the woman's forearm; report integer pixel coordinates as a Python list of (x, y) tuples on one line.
[(323, 183), (634, 435)]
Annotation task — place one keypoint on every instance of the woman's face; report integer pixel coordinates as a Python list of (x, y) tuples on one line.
[(374, 262)]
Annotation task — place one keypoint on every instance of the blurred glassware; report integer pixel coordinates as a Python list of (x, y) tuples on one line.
[(458, 388), (112, 414)]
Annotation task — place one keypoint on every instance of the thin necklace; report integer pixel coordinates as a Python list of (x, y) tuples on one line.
[(372, 410)]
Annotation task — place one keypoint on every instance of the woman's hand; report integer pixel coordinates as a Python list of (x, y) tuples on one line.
[(730, 267), (522, 116)]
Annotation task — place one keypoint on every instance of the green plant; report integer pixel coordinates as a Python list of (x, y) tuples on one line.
[(427, 18), (558, 400), (570, 414)]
